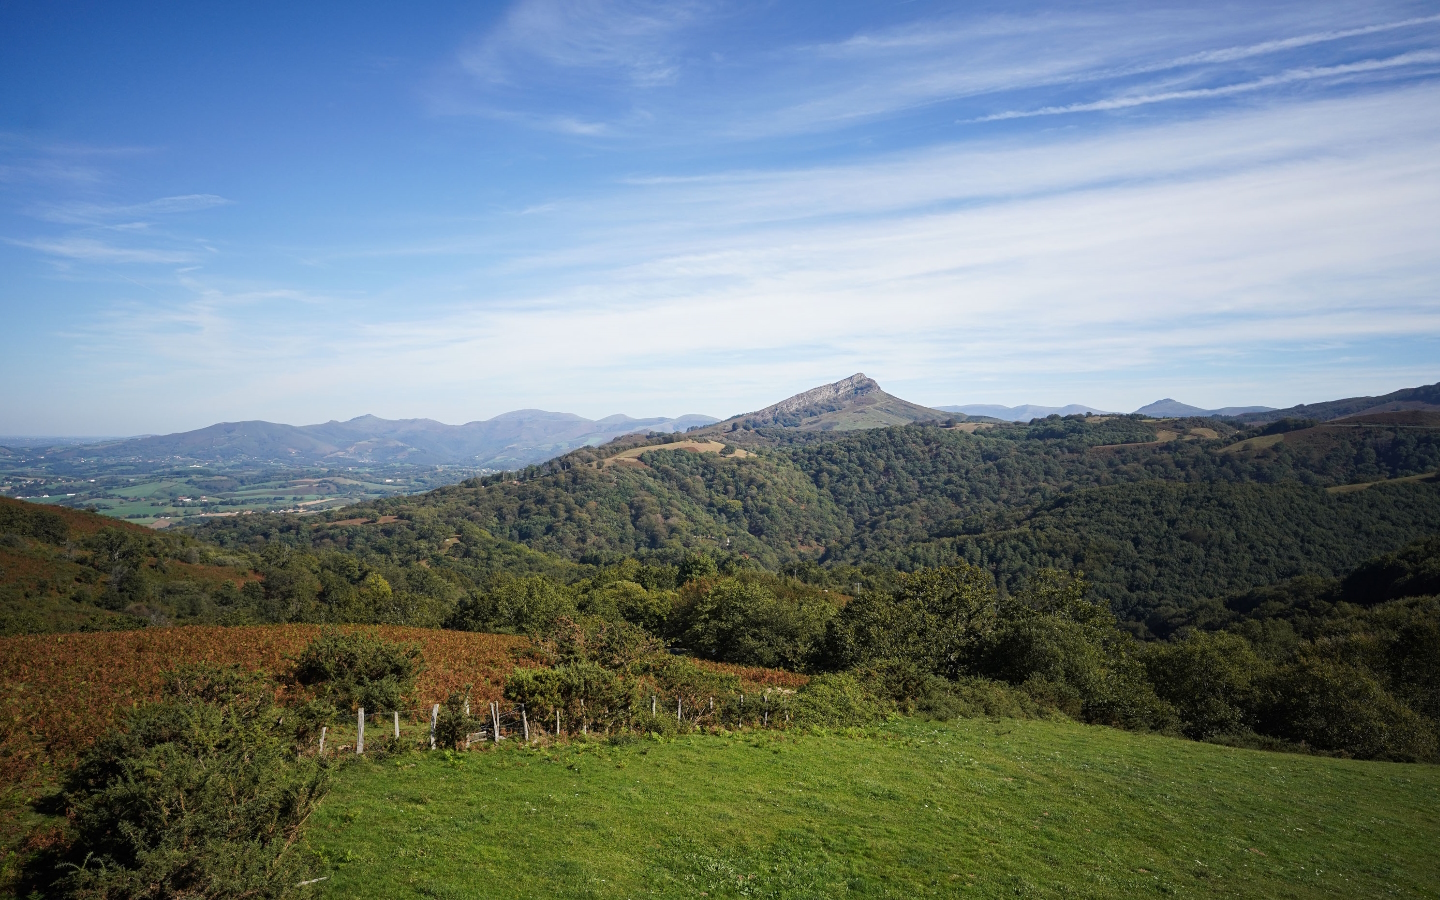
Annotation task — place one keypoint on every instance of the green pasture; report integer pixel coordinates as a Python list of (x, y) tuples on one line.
[(908, 809)]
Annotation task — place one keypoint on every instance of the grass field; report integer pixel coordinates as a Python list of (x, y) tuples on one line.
[(909, 809), (1352, 488), (632, 456)]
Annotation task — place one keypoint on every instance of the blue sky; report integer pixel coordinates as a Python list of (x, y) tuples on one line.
[(300, 212)]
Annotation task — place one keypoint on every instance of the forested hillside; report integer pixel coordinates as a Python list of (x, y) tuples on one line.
[(1154, 511)]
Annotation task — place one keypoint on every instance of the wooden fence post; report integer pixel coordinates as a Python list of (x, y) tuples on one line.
[(652, 706), (495, 717), (434, 717), (679, 705), (323, 729), (525, 722), (360, 731), (557, 723), (397, 724)]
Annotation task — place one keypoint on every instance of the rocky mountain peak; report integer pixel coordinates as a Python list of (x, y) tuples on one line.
[(856, 386)]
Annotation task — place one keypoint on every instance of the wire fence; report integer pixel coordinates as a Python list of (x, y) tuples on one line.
[(489, 723)]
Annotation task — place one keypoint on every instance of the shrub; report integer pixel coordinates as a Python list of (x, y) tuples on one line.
[(838, 701), (201, 683), (586, 694), (358, 669), (676, 677), (629, 602), (916, 693), (976, 697), (198, 795), (613, 645), (455, 723)]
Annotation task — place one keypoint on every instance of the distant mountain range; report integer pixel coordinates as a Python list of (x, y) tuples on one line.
[(516, 439), (1424, 397), (508, 441), (1020, 413), (1167, 408)]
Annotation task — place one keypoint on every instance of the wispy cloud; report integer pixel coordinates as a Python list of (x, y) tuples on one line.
[(584, 67), (631, 39), (85, 249), (921, 64), (701, 206), (86, 213), (1291, 76), (1233, 54), (27, 160)]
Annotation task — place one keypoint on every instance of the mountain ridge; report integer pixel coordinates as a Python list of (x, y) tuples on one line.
[(1424, 397), (1171, 408), (1023, 413), (511, 439)]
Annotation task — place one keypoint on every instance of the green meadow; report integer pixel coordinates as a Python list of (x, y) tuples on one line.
[(909, 809)]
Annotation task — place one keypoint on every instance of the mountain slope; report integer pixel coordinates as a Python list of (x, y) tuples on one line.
[(1423, 397)]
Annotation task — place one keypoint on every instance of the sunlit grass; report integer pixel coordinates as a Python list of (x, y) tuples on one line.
[(909, 809)]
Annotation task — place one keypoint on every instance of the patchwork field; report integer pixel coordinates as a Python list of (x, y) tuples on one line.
[(909, 809), (165, 494)]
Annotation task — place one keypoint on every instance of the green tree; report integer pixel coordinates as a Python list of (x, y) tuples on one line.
[(744, 622), (1336, 706), (933, 619), (1209, 677)]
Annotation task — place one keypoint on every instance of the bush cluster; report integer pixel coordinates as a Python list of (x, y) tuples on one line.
[(201, 794)]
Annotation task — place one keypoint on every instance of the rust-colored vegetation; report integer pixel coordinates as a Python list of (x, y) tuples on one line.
[(755, 678), (58, 692)]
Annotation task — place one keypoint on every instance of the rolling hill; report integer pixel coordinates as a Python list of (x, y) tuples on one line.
[(1425, 397)]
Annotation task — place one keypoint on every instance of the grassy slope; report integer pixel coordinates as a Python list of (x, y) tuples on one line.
[(910, 809)]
